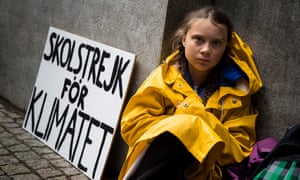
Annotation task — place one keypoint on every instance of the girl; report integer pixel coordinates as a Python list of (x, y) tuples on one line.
[(193, 114)]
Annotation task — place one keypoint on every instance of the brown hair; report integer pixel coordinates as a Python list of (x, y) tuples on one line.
[(209, 12)]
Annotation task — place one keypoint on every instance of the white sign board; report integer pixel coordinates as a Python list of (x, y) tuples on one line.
[(77, 98)]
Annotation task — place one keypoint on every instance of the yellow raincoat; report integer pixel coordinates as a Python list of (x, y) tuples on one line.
[(219, 133)]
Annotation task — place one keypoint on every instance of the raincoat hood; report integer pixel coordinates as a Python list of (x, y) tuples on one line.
[(241, 54)]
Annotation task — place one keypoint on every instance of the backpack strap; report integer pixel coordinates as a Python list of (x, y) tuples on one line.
[(287, 146)]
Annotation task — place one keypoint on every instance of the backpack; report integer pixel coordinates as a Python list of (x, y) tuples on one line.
[(283, 162), (243, 170)]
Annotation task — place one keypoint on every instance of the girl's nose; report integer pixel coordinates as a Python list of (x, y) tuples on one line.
[(205, 49)]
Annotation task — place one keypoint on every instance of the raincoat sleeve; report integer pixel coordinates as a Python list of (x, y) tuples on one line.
[(235, 126), (143, 110)]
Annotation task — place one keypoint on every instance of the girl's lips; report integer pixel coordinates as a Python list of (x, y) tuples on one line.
[(203, 60)]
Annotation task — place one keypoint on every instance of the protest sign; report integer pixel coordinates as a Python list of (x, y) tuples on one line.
[(77, 98)]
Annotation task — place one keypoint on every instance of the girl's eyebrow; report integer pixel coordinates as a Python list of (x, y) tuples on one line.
[(214, 38), (220, 38)]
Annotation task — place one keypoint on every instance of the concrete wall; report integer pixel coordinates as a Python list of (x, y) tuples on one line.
[(134, 26), (270, 27)]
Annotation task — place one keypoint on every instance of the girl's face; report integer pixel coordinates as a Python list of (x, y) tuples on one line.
[(204, 45)]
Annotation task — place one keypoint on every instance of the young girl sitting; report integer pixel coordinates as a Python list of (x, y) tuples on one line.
[(193, 114)]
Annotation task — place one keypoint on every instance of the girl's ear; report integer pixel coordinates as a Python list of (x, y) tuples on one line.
[(183, 40)]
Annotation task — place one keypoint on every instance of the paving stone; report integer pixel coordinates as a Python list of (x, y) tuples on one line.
[(18, 148), (6, 120), (42, 150), (3, 151), (2, 173), (9, 141), (58, 178), (10, 124), (60, 163), (38, 163), (2, 116), (28, 155), (20, 122), (5, 178), (26, 177), (13, 115), (24, 136), (70, 171), (79, 177), (12, 169), (16, 130), (5, 134), (49, 172), (6, 159), (34, 142), (51, 156)]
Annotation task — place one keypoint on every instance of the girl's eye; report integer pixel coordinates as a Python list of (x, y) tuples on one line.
[(198, 39), (217, 42)]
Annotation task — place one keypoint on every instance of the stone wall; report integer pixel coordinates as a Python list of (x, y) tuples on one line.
[(134, 26)]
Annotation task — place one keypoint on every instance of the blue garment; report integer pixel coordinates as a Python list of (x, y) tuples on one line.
[(229, 75)]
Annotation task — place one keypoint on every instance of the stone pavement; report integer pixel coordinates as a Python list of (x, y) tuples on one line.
[(24, 157)]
